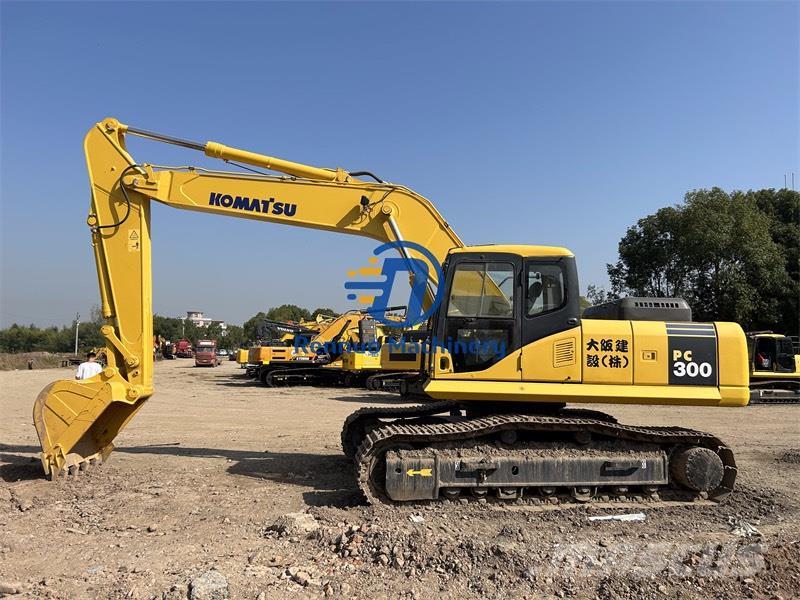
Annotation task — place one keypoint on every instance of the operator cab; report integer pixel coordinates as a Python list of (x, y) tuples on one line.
[(499, 298), (770, 353)]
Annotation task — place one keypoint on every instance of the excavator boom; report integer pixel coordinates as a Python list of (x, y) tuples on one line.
[(77, 421)]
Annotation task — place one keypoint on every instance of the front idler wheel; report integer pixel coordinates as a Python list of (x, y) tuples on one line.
[(696, 468)]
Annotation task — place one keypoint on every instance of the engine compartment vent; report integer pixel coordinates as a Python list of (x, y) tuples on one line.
[(564, 353), (675, 310)]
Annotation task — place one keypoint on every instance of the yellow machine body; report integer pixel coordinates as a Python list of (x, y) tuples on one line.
[(242, 357), (263, 355), (555, 369), (77, 421), (401, 356), (361, 361), (597, 360)]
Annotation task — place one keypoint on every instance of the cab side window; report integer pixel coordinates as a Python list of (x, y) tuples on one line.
[(785, 358), (545, 288)]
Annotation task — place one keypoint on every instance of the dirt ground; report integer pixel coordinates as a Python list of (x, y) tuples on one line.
[(186, 507), (40, 360)]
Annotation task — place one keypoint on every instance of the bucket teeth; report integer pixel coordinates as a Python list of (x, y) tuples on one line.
[(75, 466)]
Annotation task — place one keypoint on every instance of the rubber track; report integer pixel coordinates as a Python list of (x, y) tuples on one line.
[(389, 436)]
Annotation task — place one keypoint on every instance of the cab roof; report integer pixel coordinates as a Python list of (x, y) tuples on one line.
[(764, 334), (518, 249)]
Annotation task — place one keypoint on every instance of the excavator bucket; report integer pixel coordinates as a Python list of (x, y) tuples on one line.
[(77, 420)]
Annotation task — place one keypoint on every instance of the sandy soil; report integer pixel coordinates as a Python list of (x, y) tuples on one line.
[(185, 506)]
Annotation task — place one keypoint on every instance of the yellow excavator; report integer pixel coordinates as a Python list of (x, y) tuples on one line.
[(774, 368), (242, 357), (317, 359), (368, 355), (502, 361), (275, 341), (398, 359), (352, 351)]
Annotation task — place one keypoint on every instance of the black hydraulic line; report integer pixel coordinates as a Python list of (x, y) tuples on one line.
[(230, 162), (368, 174), (127, 200), (387, 309)]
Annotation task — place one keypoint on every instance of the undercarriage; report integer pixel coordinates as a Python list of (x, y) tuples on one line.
[(305, 374), (774, 391), (443, 451)]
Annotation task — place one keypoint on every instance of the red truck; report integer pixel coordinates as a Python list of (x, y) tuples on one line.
[(183, 349), (205, 355)]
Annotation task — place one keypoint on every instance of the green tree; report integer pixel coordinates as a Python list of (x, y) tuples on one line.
[(233, 338), (192, 332), (715, 250), (30, 338), (250, 327), (328, 312), (167, 327), (89, 337), (783, 209), (18, 338), (288, 312), (597, 295), (213, 332), (649, 256)]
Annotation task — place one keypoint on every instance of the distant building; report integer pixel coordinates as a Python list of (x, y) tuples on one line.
[(197, 317)]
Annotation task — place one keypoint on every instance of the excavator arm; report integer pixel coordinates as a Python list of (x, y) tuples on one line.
[(77, 421)]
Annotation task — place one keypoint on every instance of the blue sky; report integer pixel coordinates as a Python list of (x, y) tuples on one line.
[(538, 123)]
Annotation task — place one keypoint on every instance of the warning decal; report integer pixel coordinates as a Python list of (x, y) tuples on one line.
[(134, 244)]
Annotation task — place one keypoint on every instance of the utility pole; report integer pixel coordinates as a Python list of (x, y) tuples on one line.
[(77, 323)]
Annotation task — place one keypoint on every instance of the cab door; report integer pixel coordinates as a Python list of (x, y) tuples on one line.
[(551, 333), (478, 323)]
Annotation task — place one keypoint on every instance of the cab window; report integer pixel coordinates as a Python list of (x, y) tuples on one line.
[(482, 290), (545, 288), (480, 324)]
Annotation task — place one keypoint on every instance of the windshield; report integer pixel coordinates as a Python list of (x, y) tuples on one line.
[(482, 290)]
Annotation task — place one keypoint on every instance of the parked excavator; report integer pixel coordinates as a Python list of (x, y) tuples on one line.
[(774, 368), (275, 340), (317, 358), (241, 357), (504, 356), (398, 361), (342, 351)]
